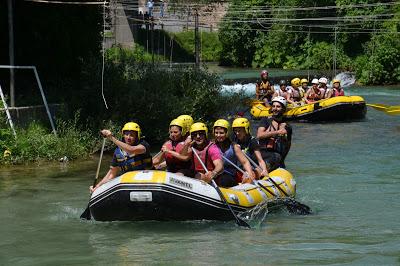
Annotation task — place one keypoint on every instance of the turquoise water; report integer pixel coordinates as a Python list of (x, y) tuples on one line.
[(348, 173)]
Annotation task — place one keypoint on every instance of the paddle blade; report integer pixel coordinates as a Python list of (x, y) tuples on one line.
[(86, 214), (242, 223), (296, 207)]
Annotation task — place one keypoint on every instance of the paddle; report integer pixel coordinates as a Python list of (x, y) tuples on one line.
[(292, 205), (389, 109), (86, 213), (239, 221)]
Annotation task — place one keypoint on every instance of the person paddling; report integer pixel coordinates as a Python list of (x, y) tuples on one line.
[(132, 153), (170, 151), (232, 152), (208, 152), (248, 144), (275, 135)]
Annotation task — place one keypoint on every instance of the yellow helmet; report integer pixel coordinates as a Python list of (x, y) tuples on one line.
[(133, 127), (304, 81), (221, 123), (296, 82), (180, 123), (242, 122), (198, 127), (188, 120), (336, 81)]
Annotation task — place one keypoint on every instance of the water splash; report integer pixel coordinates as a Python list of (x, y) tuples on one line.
[(247, 89), (256, 215), (346, 79)]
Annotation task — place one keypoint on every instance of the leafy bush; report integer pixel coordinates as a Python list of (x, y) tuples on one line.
[(37, 143), (381, 64), (151, 95), (210, 48)]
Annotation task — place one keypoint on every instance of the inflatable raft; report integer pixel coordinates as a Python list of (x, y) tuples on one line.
[(339, 108), (160, 195)]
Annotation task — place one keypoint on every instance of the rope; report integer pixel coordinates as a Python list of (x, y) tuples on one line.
[(103, 52)]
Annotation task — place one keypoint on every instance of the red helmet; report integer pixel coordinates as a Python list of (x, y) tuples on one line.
[(264, 72)]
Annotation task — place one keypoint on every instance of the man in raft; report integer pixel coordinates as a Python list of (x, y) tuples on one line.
[(296, 93), (264, 90), (337, 89), (132, 153), (314, 93), (274, 135), (208, 152)]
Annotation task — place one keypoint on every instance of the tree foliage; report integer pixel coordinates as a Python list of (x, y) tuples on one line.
[(361, 34)]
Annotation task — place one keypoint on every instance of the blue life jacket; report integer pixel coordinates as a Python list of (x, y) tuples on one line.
[(129, 162), (231, 156)]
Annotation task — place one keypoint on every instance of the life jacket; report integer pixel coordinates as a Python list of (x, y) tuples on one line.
[(327, 92), (314, 96), (282, 93), (338, 92), (203, 154), (231, 156), (264, 90), (279, 144), (129, 162), (173, 163), (297, 95)]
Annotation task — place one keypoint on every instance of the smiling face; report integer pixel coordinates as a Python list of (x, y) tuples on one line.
[(220, 134), (276, 108), (175, 133), (130, 136), (240, 133), (199, 137)]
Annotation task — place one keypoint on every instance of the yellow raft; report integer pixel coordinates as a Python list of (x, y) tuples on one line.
[(160, 195), (339, 108)]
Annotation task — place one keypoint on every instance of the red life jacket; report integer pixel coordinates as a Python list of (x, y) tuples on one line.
[(203, 154), (173, 163), (337, 92), (314, 96)]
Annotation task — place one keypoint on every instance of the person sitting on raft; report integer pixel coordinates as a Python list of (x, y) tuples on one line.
[(297, 93), (170, 151), (207, 151), (132, 153), (233, 153), (337, 89), (188, 122), (248, 144), (264, 90), (304, 84), (314, 93), (323, 86), (283, 90), (274, 135)]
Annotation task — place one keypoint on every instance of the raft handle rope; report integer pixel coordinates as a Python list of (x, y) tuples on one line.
[(239, 221)]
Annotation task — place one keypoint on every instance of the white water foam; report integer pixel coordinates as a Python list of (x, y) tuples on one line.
[(346, 79)]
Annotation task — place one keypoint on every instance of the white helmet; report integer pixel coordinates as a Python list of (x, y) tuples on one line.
[(323, 80), (314, 81), (280, 100)]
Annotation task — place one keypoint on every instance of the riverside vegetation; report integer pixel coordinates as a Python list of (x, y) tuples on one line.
[(135, 90)]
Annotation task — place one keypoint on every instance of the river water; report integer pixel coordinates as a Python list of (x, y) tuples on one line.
[(348, 173)]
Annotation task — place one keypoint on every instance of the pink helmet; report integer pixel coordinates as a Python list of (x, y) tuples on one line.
[(264, 72)]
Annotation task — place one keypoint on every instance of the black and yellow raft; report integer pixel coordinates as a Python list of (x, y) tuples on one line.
[(341, 108), (160, 195)]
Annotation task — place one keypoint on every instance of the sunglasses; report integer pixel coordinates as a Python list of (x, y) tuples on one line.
[(198, 133)]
